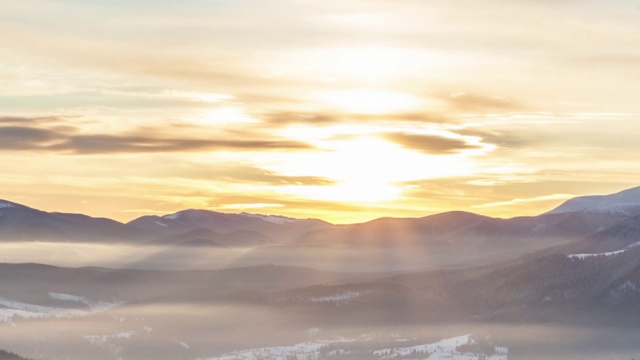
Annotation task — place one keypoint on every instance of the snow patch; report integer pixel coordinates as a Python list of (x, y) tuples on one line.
[(22, 310), (314, 350), (341, 298), (94, 305), (10, 309), (443, 349), (5, 205), (274, 219), (628, 286), (584, 256), (185, 345), (175, 216), (67, 297), (161, 224), (303, 351), (637, 243), (104, 341)]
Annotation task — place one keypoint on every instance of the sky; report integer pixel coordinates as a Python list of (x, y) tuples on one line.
[(340, 110)]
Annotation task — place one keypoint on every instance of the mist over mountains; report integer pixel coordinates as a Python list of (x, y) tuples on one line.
[(200, 284)]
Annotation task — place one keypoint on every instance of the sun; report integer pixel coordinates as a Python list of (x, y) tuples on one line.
[(364, 168), (370, 101)]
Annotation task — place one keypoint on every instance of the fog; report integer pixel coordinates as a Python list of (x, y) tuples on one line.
[(334, 258), (187, 331), (108, 301)]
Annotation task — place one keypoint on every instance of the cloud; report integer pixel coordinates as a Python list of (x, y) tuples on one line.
[(25, 138), (479, 102), (330, 118), (101, 144), (27, 120), (69, 140), (287, 118), (431, 144), (240, 174), (503, 138)]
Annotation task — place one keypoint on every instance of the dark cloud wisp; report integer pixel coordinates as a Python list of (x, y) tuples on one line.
[(430, 144), (73, 142)]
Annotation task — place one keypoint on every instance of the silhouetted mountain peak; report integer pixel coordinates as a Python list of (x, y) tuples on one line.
[(20, 222)]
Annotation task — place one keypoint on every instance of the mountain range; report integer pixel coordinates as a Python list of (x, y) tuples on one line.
[(564, 284), (573, 219), (447, 239)]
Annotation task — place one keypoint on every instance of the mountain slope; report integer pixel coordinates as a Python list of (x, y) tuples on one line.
[(19, 222), (273, 228), (5, 355), (626, 202), (237, 238), (458, 230)]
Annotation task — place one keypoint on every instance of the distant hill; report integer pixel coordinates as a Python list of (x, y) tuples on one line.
[(255, 229), (19, 222), (463, 230), (625, 202)]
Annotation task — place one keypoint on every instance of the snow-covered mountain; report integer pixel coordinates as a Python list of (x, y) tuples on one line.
[(625, 202)]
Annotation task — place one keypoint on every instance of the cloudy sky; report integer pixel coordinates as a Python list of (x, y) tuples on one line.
[(343, 110)]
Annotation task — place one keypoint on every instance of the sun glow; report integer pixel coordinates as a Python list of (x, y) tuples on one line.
[(365, 169), (224, 115), (368, 101)]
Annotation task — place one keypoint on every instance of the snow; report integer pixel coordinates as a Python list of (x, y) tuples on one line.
[(104, 341), (339, 298), (584, 256), (5, 205), (185, 345), (94, 305), (161, 224), (67, 297), (278, 220), (628, 286), (443, 349), (308, 351), (125, 335), (624, 202), (445, 346), (10, 309), (637, 243), (175, 216)]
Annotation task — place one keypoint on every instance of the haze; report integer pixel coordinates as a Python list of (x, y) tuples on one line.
[(340, 111)]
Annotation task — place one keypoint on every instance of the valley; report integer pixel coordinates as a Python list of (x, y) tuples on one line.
[(447, 286)]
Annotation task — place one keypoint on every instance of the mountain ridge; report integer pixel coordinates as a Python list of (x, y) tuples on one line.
[(626, 202), (576, 218)]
